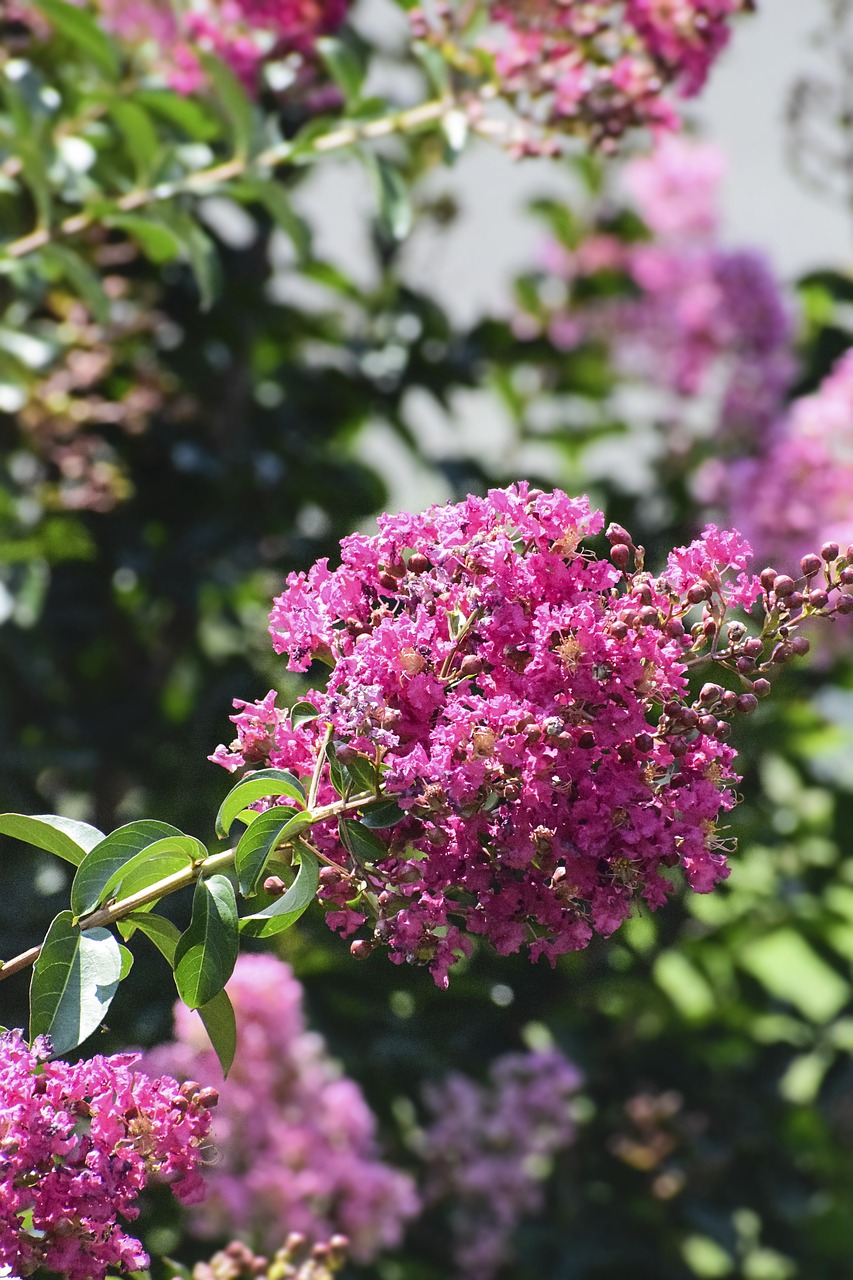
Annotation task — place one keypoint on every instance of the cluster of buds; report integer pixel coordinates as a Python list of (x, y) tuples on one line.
[(298, 1259)]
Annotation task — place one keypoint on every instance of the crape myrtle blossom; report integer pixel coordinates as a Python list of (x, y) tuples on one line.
[(295, 1140), (798, 492), (78, 1144), (529, 705), (489, 1147), (591, 66), (243, 33), (695, 321)]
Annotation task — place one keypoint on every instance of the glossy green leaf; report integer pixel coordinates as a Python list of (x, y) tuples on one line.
[(207, 952), (385, 813), (106, 858), (155, 862), (221, 1026), (185, 114), (270, 829), (74, 980), (65, 837), (82, 30), (126, 961), (361, 842), (302, 712), (261, 785), (287, 909), (163, 933)]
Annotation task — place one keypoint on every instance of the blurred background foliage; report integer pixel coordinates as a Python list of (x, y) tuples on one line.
[(184, 403)]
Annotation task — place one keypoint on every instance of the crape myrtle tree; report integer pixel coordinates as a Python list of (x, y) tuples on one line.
[(507, 729)]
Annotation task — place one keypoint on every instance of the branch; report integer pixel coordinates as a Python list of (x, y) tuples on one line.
[(409, 121), (115, 911)]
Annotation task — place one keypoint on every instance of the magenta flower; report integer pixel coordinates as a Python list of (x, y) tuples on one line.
[(490, 1146), (295, 1140), (529, 706), (78, 1143)]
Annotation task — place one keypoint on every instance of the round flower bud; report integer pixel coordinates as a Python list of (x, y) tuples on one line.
[(620, 555), (747, 702), (698, 592), (753, 647), (818, 599), (783, 585), (846, 577), (767, 578), (710, 693), (761, 687), (387, 581), (845, 605), (644, 743), (723, 730), (274, 885), (417, 563), (810, 565), (829, 551), (729, 700), (745, 664), (800, 645), (360, 949), (708, 724)]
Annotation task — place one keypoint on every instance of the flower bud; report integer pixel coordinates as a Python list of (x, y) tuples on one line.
[(818, 599), (761, 687), (783, 586), (471, 665), (707, 724), (753, 647), (767, 578), (417, 563), (800, 645), (845, 605), (710, 693), (698, 592), (729, 700), (747, 702), (387, 581), (649, 616), (619, 631), (586, 741), (274, 885), (360, 949), (644, 743), (829, 552), (745, 664), (810, 565), (208, 1097), (795, 599), (670, 859), (723, 730), (782, 653), (616, 534), (846, 577), (620, 555)]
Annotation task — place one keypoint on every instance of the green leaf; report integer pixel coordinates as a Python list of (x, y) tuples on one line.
[(221, 1026), (257, 844), (361, 842), (82, 30), (126, 961), (343, 65), (35, 175), (176, 1270), (435, 66), (160, 931), (157, 860), (302, 712), (207, 952), (198, 250), (184, 113), (385, 813), (87, 283), (235, 103), (65, 837), (275, 198), (140, 136), (363, 773), (287, 909), (74, 980), (101, 862), (395, 205), (155, 239), (261, 785)]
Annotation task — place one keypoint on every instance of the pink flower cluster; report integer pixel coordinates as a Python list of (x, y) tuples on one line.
[(77, 1146), (603, 68), (295, 1140), (243, 33), (529, 705), (702, 321), (489, 1147), (798, 492)]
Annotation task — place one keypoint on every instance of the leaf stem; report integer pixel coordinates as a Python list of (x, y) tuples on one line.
[(115, 911)]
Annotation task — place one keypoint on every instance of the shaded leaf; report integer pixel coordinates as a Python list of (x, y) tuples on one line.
[(221, 1026), (163, 933), (207, 952), (385, 813), (74, 980), (344, 66), (155, 239), (287, 909), (361, 842), (82, 30), (257, 844)]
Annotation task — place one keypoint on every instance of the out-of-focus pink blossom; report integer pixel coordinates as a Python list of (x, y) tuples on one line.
[(295, 1140), (488, 1148), (78, 1144), (798, 493)]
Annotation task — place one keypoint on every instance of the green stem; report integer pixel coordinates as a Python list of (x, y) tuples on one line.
[(103, 917), (409, 121)]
